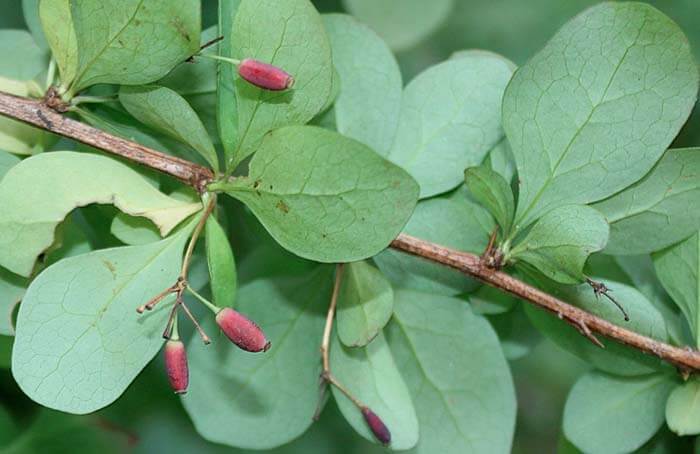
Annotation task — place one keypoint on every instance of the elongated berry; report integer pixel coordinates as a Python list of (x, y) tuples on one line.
[(176, 366), (242, 331), (264, 75), (377, 426)]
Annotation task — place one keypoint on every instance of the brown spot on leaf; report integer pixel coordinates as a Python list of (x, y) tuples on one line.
[(282, 207)]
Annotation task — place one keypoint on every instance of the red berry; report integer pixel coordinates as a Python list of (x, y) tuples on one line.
[(264, 75), (176, 366), (242, 331), (377, 426)]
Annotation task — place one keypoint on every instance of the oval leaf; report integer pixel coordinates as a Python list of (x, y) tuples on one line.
[(678, 269), (222, 267), (325, 197), (368, 105), (32, 208), (79, 340), (593, 111), (290, 35), (403, 23), (57, 22), (132, 42), (22, 58), (452, 220), (371, 375), (243, 399), (561, 241), (450, 119), (607, 414), (659, 210), (226, 103), (454, 368), (493, 192), (365, 304), (683, 409), (164, 110)]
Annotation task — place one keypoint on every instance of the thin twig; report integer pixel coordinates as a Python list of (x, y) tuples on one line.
[(194, 321), (326, 375), (34, 112), (470, 264), (211, 203)]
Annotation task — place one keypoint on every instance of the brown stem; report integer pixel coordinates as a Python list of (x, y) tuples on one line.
[(326, 376), (37, 114), (583, 321), (211, 203)]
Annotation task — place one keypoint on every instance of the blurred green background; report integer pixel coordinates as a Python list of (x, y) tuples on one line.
[(149, 418)]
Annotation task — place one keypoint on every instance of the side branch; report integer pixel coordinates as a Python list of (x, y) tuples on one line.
[(37, 113), (687, 360)]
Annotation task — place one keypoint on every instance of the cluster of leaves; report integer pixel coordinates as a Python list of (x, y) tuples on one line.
[(561, 158)]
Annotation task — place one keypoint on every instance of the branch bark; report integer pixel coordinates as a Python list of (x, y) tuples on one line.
[(36, 113)]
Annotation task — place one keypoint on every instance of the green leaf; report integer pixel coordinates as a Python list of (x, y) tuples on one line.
[(454, 368), (164, 110), (368, 105), (12, 288), (226, 103), (453, 220), (290, 35), (32, 208), (639, 270), (7, 161), (118, 122), (608, 414), (57, 432), (365, 304), (57, 22), (22, 58), (450, 118), (678, 270), (325, 197), (79, 340), (17, 137), (402, 23), (683, 408), (222, 267), (561, 241), (614, 358), (235, 396), (199, 77), (371, 375), (133, 230), (131, 42), (594, 110), (488, 300), (493, 192), (500, 158), (659, 210), (30, 11)]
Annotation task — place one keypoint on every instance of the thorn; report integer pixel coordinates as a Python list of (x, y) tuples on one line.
[(586, 331), (599, 289)]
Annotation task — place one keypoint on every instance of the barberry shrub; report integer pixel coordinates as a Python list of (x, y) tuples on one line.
[(312, 156)]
